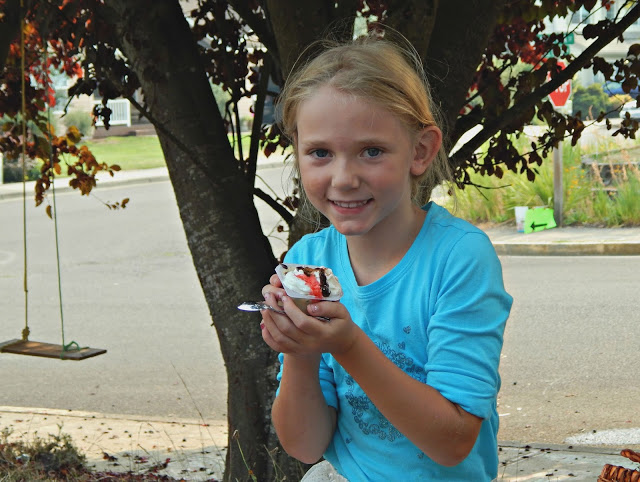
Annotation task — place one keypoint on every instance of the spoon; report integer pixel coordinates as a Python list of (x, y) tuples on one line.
[(261, 305), (257, 306)]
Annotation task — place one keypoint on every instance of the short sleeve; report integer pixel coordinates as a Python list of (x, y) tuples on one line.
[(466, 330)]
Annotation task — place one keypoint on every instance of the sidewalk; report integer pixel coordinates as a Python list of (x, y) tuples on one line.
[(193, 450)]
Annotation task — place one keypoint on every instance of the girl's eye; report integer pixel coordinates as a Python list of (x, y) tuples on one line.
[(372, 152), (320, 153)]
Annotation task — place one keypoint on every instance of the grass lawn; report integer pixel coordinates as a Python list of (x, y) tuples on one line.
[(131, 152)]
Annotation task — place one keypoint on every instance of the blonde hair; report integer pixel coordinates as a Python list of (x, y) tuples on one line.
[(380, 71)]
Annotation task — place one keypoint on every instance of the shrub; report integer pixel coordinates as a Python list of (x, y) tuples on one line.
[(12, 170), (587, 199), (592, 100), (81, 119), (39, 458)]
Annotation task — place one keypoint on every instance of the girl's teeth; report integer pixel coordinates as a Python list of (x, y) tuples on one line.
[(353, 204)]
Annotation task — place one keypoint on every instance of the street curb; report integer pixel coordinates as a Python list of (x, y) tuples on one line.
[(567, 249)]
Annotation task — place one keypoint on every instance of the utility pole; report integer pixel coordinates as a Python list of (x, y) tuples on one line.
[(558, 191)]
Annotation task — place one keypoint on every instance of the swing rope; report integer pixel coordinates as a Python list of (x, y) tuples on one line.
[(26, 331), (55, 227), (71, 345)]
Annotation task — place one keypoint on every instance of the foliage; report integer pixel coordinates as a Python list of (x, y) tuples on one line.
[(55, 459), (12, 171), (590, 101), (80, 119), (508, 90), (588, 199), (20, 460)]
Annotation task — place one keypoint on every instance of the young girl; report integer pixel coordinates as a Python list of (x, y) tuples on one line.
[(401, 383)]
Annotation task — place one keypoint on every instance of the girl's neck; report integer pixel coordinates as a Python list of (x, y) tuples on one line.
[(376, 253)]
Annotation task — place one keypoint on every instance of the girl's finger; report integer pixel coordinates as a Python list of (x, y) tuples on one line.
[(275, 281), (272, 334)]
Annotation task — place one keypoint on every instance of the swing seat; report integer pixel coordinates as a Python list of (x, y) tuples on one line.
[(48, 350)]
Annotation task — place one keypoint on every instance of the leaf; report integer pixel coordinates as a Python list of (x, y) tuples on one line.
[(629, 84), (590, 31), (124, 202), (57, 169), (589, 4), (73, 135), (634, 50), (48, 211), (531, 176)]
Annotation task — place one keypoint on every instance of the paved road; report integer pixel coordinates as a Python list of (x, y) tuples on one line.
[(571, 346), (129, 286)]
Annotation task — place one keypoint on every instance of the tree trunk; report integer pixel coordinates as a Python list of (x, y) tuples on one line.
[(232, 257), (297, 24)]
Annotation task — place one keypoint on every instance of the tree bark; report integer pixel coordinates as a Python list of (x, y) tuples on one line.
[(232, 257), (415, 19), (455, 51), (297, 24)]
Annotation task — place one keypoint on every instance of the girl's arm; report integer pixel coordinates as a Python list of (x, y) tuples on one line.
[(302, 419), (441, 429)]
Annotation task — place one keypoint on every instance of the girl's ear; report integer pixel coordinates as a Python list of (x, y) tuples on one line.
[(427, 145)]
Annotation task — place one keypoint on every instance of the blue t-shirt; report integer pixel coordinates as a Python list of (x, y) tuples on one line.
[(439, 315)]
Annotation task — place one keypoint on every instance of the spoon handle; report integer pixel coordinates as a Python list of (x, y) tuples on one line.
[(261, 305)]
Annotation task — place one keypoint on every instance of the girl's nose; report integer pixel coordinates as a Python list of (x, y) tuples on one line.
[(344, 175)]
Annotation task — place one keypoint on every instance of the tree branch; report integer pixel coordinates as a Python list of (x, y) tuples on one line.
[(257, 23), (530, 100), (279, 208), (258, 113)]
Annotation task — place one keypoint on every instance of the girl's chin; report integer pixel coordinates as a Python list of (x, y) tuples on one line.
[(350, 228)]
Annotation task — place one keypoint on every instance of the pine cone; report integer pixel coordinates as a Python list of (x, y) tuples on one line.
[(615, 473), (631, 455)]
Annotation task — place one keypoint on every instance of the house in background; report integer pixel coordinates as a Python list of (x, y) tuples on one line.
[(125, 120)]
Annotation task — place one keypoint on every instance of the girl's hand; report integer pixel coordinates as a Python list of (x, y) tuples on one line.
[(301, 334)]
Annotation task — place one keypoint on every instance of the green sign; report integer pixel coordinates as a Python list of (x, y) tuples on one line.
[(537, 219)]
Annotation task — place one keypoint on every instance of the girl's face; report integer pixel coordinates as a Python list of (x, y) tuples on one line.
[(356, 159)]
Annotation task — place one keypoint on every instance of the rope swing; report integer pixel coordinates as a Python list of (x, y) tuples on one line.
[(23, 346)]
